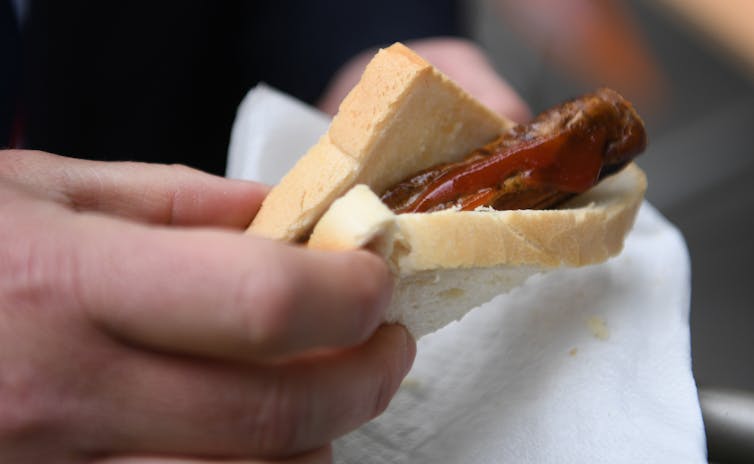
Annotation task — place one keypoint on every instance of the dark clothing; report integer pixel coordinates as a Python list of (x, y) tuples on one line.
[(10, 77), (161, 80)]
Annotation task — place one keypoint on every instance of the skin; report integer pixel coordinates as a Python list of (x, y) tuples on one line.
[(137, 320), (138, 324)]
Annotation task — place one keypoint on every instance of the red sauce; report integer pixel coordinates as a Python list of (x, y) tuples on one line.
[(564, 162), (564, 151)]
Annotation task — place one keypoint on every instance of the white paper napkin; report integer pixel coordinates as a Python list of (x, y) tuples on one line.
[(271, 131), (577, 365)]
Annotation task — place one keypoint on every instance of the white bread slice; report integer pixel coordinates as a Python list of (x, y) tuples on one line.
[(449, 262), (403, 115)]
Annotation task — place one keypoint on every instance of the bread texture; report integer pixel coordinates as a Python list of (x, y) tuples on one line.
[(448, 262), (403, 115)]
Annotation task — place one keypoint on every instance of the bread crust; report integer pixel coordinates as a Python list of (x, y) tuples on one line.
[(403, 115), (587, 230), (448, 262)]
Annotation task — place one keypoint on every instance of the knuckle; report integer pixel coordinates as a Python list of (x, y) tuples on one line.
[(182, 168), (37, 272), (9, 160), (174, 201), (274, 418), (14, 162), (186, 173), (22, 410), (266, 301)]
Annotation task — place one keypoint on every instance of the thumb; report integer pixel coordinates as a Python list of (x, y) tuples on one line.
[(226, 294)]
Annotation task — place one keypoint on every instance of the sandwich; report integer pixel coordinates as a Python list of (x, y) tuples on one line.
[(462, 203)]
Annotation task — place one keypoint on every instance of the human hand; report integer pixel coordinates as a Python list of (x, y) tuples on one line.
[(138, 324), (461, 60)]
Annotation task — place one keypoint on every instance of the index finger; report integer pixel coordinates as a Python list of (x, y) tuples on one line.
[(154, 193)]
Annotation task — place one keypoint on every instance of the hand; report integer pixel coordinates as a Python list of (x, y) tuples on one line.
[(138, 324), (461, 60)]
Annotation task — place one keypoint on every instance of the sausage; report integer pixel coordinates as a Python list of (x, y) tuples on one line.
[(562, 152)]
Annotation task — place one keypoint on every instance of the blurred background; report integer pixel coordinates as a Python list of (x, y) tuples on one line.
[(689, 67)]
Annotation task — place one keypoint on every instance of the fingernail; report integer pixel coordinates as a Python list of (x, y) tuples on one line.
[(382, 289), (409, 349)]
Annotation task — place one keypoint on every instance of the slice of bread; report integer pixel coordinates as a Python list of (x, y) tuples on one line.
[(402, 116), (448, 262)]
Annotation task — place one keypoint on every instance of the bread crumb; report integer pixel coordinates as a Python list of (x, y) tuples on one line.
[(452, 293), (598, 327), (410, 383), (573, 351)]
